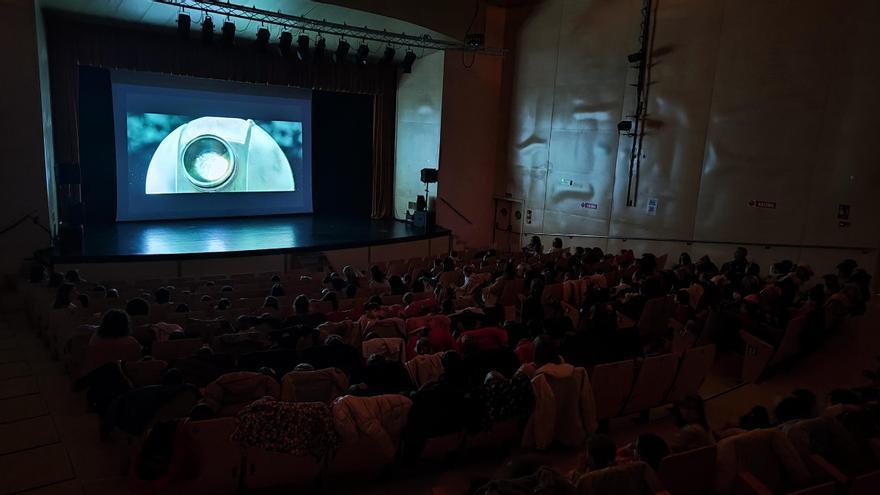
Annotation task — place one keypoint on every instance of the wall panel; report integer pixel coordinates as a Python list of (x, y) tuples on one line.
[(748, 100), (846, 170), (769, 90), (417, 146), (684, 48)]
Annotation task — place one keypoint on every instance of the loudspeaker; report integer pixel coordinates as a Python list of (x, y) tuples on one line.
[(429, 175), (423, 219)]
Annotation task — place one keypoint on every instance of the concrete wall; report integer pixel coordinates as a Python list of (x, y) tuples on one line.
[(749, 100), (22, 119)]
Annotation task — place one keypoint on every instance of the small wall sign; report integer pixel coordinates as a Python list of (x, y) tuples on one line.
[(770, 205)]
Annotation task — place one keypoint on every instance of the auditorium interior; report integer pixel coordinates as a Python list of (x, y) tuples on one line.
[(441, 247)]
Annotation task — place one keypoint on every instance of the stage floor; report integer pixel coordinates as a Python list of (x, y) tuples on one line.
[(188, 239)]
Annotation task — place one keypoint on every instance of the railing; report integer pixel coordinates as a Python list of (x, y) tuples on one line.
[(766, 245)]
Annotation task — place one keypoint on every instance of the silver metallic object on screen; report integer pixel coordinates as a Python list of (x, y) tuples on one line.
[(218, 154)]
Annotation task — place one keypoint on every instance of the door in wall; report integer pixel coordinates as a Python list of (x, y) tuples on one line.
[(508, 225)]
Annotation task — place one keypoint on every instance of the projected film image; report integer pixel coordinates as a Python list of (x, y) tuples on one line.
[(187, 154)]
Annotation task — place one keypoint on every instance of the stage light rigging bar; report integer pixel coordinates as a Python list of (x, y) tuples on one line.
[(324, 27)]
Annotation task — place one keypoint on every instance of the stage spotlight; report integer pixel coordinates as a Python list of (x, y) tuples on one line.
[(624, 126), (408, 60), (227, 34), (284, 42), (362, 53), (635, 57), (183, 25), (388, 56), (302, 47), (320, 48), (207, 30), (342, 51), (262, 41)]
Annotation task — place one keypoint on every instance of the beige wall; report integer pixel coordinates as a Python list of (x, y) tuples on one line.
[(769, 100), (22, 173), (417, 135), (472, 136)]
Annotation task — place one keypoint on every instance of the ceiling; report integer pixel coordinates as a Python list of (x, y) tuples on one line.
[(450, 17), (149, 12)]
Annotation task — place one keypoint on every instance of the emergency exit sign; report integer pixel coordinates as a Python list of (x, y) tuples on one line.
[(770, 205)]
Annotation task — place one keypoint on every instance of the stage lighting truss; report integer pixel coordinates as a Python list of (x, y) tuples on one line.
[(324, 27)]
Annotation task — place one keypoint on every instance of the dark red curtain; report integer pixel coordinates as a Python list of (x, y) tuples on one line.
[(76, 41)]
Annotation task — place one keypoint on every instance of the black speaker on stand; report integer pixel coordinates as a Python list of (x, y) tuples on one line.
[(423, 217)]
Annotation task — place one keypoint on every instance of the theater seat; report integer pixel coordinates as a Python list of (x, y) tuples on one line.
[(694, 367), (500, 436), (759, 461), (690, 472), (866, 484), (655, 316), (96, 356), (790, 345), (314, 386), (756, 356), (748, 484), (145, 372), (233, 391), (170, 350), (655, 379), (219, 459), (635, 478), (443, 447), (612, 384), (274, 470)]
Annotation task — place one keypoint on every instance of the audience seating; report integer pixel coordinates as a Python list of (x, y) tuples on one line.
[(314, 386), (170, 350), (756, 355), (692, 372), (612, 384), (274, 470), (655, 316), (655, 379), (233, 391), (710, 328), (145, 372), (96, 356), (689, 473), (790, 345), (219, 459), (444, 447), (632, 478), (757, 462), (501, 436)]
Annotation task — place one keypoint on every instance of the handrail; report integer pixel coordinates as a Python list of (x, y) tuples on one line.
[(29, 216), (766, 245), (455, 210)]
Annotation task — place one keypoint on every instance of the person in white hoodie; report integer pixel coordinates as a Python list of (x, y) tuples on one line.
[(565, 409)]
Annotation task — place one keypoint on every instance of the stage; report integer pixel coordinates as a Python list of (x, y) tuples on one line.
[(243, 236)]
